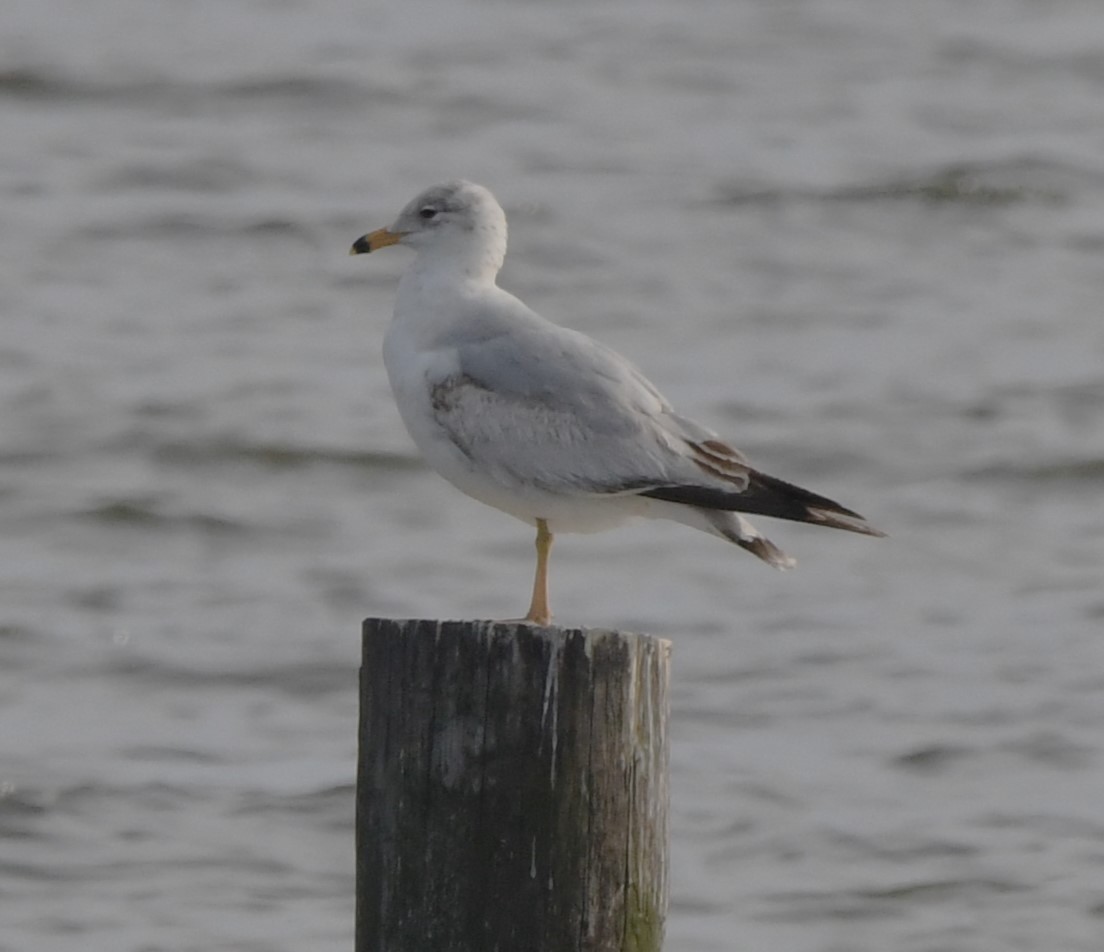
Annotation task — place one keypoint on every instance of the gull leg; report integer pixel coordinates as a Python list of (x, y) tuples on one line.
[(539, 612)]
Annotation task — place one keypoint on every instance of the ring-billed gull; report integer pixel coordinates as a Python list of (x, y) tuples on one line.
[(543, 422)]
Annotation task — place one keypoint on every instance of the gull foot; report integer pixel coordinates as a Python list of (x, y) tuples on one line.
[(542, 622)]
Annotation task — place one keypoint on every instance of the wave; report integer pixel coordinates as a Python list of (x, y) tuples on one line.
[(988, 183), (41, 84)]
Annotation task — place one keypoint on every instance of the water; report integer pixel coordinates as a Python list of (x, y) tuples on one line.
[(864, 240)]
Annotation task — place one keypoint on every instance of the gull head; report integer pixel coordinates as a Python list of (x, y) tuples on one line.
[(457, 221)]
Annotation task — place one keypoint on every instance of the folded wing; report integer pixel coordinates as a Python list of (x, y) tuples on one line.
[(564, 414)]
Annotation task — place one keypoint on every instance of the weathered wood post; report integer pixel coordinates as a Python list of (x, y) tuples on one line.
[(511, 789)]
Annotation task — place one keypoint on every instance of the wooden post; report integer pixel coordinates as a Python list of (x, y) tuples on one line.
[(511, 789)]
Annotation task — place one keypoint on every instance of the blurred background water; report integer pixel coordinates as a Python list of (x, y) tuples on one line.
[(863, 240)]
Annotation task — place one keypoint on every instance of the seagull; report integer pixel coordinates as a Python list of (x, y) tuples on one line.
[(543, 422)]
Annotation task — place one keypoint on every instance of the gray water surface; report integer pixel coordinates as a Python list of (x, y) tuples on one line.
[(863, 240)]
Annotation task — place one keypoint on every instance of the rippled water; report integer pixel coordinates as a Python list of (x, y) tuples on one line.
[(864, 240)]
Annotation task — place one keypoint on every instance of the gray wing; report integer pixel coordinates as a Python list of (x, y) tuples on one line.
[(552, 408)]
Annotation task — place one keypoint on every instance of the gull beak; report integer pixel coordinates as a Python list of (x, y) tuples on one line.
[(374, 240)]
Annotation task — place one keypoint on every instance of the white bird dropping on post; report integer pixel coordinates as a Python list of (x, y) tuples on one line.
[(543, 422)]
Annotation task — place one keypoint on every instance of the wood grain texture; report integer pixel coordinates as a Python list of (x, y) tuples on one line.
[(511, 789)]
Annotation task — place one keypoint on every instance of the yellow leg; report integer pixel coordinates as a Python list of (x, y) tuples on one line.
[(539, 612)]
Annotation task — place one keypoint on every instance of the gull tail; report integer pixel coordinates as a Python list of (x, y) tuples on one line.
[(730, 526), (736, 528)]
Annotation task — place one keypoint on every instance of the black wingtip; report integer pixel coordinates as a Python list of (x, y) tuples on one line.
[(768, 496)]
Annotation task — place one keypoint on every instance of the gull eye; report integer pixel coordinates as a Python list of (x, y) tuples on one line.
[(428, 212)]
